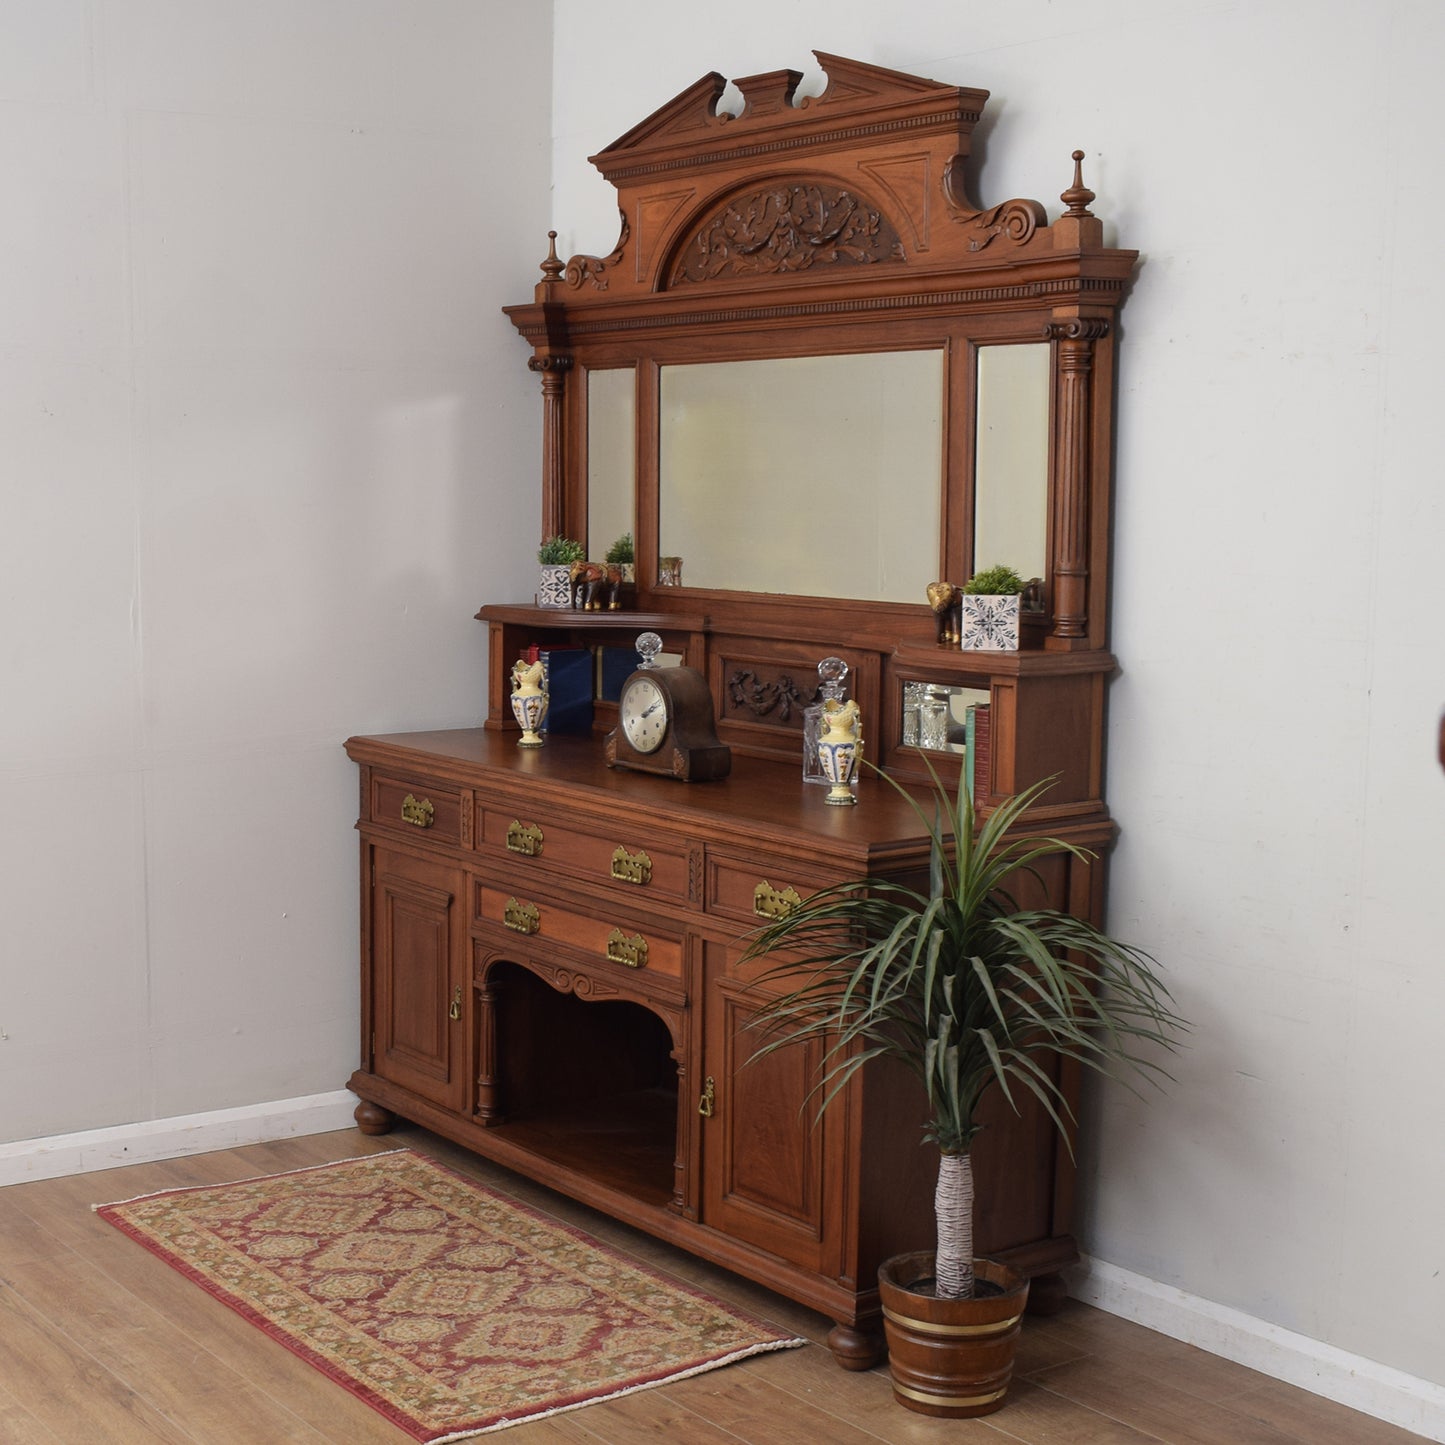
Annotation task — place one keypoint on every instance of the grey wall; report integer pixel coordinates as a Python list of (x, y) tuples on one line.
[(1278, 587), (265, 446)]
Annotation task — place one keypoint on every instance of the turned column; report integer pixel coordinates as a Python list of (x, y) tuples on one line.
[(553, 367), (553, 370), (489, 1085), (1073, 444)]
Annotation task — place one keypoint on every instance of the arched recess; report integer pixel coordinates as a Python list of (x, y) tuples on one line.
[(589, 1068)]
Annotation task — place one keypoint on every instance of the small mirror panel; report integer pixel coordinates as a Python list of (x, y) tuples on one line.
[(935, 715), (1011, 477), (818, 476), (611, 456)]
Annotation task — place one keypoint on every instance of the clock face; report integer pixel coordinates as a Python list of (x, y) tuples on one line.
[(642, 713)]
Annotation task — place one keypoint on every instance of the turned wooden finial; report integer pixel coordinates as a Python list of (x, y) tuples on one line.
[(552, 266), (1078, 196)]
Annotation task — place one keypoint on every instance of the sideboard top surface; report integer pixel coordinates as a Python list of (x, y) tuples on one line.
[(760, 800)]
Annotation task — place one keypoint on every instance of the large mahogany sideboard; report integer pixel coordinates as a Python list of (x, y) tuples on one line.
[(553, 976), (553, 968)]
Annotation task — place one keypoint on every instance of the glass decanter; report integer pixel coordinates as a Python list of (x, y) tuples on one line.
[(831, 674)]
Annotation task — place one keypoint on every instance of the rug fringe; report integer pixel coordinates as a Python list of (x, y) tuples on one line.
[(759, 1349), (254, 1179)]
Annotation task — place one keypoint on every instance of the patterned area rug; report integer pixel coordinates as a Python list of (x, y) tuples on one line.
[(447, 1307)]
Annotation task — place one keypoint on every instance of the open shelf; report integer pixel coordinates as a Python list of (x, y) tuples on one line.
[(590, 1085), (623, 1141)]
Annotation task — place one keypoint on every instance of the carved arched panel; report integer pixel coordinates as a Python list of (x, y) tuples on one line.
[(785, 225)]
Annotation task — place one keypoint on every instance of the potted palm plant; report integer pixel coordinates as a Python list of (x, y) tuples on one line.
[(970, 993)]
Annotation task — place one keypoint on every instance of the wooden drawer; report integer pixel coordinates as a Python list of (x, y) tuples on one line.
[(414, 805), (755, 890), (636, 862), (611, 936)]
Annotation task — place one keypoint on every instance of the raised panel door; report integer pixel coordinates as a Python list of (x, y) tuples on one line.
[(418, 933), (769, 1175)]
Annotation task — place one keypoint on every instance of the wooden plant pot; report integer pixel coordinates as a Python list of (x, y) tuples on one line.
[(950, 1357)]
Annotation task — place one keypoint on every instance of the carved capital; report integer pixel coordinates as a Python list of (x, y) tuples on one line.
[(1077, 328), (549, 365)]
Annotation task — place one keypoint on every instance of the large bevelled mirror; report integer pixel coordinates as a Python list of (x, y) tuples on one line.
[(817, 476), (611, 456), (1011, 459)]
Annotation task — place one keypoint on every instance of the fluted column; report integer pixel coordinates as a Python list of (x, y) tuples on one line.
[(1074, 437), (553, 370), (490, 1105)]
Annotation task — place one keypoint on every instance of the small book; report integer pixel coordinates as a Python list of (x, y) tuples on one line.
[(614, 666), (981, 751), (567, 674)]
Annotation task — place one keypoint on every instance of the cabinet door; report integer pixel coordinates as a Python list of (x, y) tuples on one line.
[(771, 1170), (418, 941)]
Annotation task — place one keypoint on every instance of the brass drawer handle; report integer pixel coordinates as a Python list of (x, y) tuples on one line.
[(522, 917), (524, 838), (419, 812), (709, 1098), (632, 867), (630, 949), (770, 902), (455, 1011)]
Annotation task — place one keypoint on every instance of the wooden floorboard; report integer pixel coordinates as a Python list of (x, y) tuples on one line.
[(104, 1345)]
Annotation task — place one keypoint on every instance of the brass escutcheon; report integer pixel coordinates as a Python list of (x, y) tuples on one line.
[(631, 867), (770, 902), (522, 917), (709, 1098), (628, 948), (524, 838), (417, 811), (455, 1011)]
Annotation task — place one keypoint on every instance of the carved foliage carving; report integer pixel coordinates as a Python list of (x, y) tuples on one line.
[(750, 693), (787, 227)]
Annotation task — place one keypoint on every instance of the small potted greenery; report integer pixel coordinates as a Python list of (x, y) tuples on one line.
[(970, 993), (991, 604), (621, 554), (556, 555)]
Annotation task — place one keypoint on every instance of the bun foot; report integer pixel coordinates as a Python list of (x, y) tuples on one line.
[(373, 1119), (855, 1348), (1047, 1293)]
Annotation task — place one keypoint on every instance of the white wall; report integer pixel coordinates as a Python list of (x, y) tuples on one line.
[(1278, 586), (265, 445)]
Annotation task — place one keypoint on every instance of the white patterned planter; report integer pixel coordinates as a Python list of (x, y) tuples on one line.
[(990, 624), (555, 587)]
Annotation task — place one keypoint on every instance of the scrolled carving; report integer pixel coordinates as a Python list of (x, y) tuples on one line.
[(787, 227), (1015, 221), (550, 365), (566, 980), (585, 270)]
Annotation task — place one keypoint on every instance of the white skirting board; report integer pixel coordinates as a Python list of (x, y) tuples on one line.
[(143, 1143), (1375, 1389)]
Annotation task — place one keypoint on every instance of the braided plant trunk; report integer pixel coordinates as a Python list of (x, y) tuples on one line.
[(953, 1204)]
